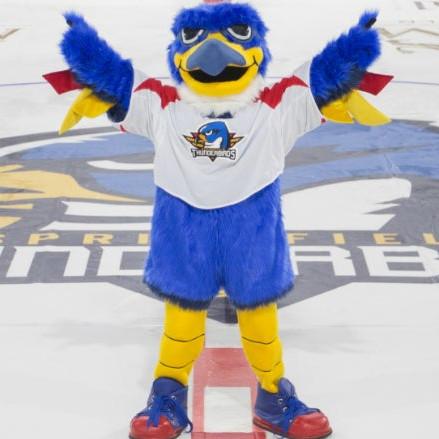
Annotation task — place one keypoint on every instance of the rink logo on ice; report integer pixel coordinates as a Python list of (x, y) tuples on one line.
[(359, 206), (214, 140), (53, 263)]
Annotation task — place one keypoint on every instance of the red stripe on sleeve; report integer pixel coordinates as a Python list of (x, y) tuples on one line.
[(62, 81), (373, 82), (272, 96), (167, 93)]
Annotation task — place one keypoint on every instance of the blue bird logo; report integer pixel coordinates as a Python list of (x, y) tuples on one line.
[(213, 140)]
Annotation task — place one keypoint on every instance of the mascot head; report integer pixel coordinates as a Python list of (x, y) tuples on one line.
[(219, 49)]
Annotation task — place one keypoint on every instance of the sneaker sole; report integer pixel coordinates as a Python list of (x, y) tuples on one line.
[(173, 437), (282, 434)]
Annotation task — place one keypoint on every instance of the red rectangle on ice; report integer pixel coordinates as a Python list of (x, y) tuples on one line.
[(221, 367)]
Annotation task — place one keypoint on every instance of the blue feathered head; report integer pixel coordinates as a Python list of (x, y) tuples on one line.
[(218, 49)]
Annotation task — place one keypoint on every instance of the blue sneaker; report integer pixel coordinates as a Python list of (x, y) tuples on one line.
[(284, 414), (165, 416)]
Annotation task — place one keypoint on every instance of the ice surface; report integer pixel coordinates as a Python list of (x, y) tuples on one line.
[(76, 360)]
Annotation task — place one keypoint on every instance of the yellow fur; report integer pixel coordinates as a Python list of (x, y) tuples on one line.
[(262, 346), (182, 342), (86, 104), (354, 107)]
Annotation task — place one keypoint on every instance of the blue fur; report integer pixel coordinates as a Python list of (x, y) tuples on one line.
[(340, 67), (96, 65), (242, 248), (217, 18)]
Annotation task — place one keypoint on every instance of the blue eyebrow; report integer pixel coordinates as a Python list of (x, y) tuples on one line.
[(219, 17)]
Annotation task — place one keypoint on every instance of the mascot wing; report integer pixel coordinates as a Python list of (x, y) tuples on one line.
[(340, 71), (87, 104), (105, 77)]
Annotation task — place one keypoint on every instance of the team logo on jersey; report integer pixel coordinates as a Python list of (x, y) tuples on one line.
[(214, 140)]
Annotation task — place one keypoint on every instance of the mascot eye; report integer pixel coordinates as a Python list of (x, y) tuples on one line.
[(209, 133), (241, 32), (189, 35)]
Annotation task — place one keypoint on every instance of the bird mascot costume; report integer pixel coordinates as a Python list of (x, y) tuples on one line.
[(221, 135)]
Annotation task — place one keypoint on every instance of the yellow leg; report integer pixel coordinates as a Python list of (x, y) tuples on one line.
[(261, 344), (182, 342)]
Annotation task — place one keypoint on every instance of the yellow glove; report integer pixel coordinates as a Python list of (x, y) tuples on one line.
[(354, 107), (86, 104)]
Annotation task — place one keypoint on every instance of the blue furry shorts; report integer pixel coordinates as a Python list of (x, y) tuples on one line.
[(242, 248)]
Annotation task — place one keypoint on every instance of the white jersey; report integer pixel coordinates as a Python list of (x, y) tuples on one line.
[(212, 163)]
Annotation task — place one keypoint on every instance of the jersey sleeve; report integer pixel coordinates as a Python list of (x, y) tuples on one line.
[(294, 102), (149, 97)]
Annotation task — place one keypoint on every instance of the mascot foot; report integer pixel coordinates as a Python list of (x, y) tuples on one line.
[(285, 415), (165, 416)]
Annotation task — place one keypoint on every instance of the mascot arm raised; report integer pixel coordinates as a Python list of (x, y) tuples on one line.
[(336, 77), (97, 66), (342, 64)]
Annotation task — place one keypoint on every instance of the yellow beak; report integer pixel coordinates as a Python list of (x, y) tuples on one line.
[(205, 83)]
